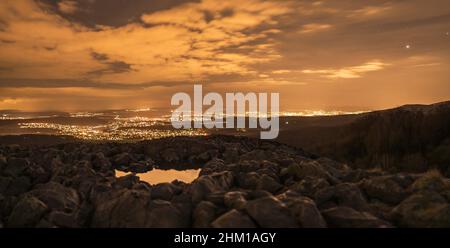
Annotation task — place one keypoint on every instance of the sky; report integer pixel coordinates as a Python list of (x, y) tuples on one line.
[(345, 55)]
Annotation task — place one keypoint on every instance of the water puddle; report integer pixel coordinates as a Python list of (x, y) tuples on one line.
[(156, 176)]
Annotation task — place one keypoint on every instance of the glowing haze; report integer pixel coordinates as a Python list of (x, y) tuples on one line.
[(337, 54)]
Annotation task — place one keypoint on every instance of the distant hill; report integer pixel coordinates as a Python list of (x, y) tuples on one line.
[(408, 138)]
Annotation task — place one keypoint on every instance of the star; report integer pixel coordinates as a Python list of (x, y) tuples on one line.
[(408, 46)]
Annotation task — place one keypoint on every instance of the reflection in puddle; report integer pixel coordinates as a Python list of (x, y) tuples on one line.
[(156, 176)]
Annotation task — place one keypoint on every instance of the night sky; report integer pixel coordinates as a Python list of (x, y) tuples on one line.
[(337, 54)]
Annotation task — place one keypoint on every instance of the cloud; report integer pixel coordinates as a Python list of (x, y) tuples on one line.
[(68, 6), (187, 42), (314, 27), (349, 72)]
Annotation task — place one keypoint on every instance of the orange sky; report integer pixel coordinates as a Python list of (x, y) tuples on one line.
[(337, 54)]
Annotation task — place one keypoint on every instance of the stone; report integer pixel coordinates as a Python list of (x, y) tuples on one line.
[(344, 194), (307, 169), (233, 219), (57, 196), (123, 160), (163, 214), (269, 212), (203, 214), (18, 186), (268, 183), (385, 189), (124, 209), (16, 166), (423, 209), (309, 186), (141, 167), (215, 182), (27, 212), (170, 155), (235, 199), (430, 181), (163, 191), (62, 219), (127, 181), (303, 209), (345, 217)]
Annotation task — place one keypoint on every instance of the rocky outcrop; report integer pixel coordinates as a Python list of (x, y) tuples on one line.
[(243, 183)]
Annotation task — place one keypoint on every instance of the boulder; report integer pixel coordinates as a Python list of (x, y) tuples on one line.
[(215, 182), (170, 155), (27, 212), (233, 219), (18, 185), (162, 214), (268, 183), (16, 166), (203, 214), (345, 217), (235, 199), (126, 208), (127, 181), (387, 189), (303, 209), (57, 196), (163, 191), (345, 195), (269, 212), (309, 186), (62, 219), (423, 209), (305, 169)]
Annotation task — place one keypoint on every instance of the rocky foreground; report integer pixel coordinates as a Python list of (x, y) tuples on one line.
[(243, 183)]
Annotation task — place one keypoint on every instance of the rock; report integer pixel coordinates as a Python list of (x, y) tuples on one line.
[(214, 165), (385, 188), (431, 181), (248, 180), (27, 212), (233, 219), (204, 213), (269, 184), (307, 169), (309, 186), (100, 162), (344, 194), (255, 155), (172, 216), (163, 191), (235, 199), (215, 182), (127, 181), (4, 184), (18, 186), (125, 209), (141, 167), (231, 155), (216, 198), (170, 155), (62, 219), (57, 196), (354, 176), (303, 209), (3, 163), (122, 160), (423, 209), (16, 166), (345, 217), (269, 212)]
